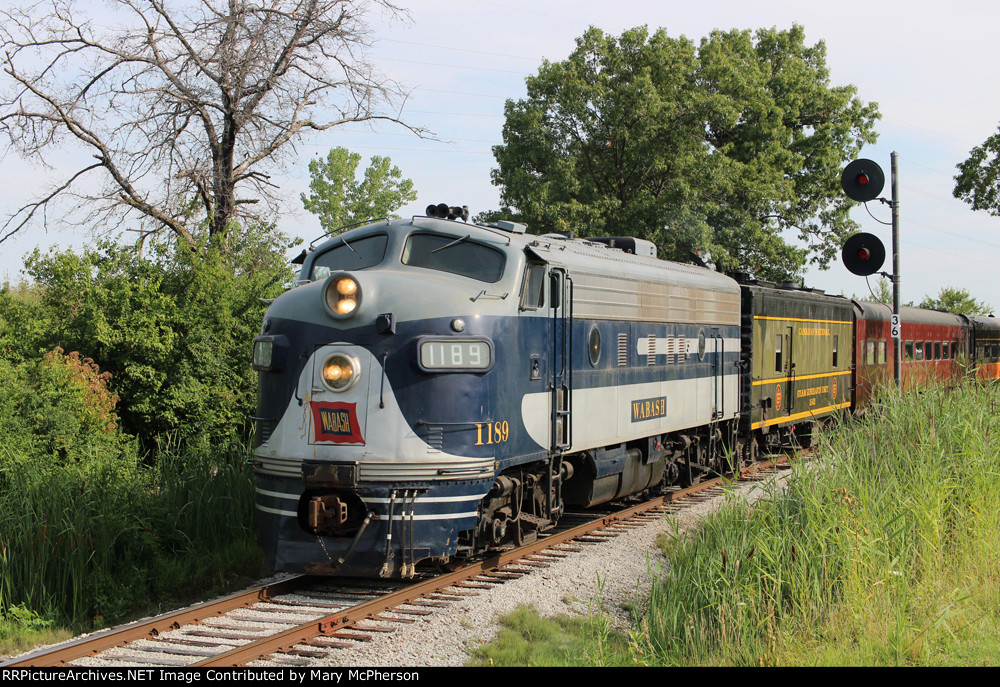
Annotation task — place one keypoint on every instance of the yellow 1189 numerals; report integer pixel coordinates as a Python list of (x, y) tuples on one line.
[(492, 432)]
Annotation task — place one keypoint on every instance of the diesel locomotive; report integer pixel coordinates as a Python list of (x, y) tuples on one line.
[(433, 388)]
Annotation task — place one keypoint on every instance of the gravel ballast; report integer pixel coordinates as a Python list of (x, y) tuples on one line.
[(613, 575)]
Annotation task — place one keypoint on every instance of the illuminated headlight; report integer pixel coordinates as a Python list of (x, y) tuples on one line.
[(343, 295), (340, 372)]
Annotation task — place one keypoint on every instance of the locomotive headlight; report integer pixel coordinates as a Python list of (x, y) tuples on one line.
[(340, 372), (343, 295), (263, 351), (269, 353)]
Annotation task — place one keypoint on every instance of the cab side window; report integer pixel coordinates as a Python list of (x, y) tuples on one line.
[(532, 291)]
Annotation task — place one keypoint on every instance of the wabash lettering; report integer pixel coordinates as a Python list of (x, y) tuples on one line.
[(649, 408), (336, 423)]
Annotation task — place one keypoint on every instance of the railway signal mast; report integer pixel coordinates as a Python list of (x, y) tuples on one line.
[(863, 254)]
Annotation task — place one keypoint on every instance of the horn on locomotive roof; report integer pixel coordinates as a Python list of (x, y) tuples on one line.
[(443, 211)]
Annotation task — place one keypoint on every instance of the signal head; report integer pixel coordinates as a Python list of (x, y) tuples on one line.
[(863, 254), (862, 180)]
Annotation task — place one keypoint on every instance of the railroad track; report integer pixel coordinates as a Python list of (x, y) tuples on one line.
[(302, 619)]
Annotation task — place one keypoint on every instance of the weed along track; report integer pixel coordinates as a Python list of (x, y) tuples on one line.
[(313, 621)]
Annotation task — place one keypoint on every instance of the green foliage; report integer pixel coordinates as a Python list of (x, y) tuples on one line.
[(957, 301), (58, 407), (711, 150), (174, 328), (884, 555), (107, 503), (526, 639), (339, 199), (93, 540), (21, 629), (978, 179), (881, 293)]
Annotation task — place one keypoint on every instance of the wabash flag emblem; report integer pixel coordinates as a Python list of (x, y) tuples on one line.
[(336, 423)]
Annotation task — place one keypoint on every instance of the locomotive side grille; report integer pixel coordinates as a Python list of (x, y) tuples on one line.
[(651, 348), (265, 425), (671, 349), (435, 437), (622, 350)]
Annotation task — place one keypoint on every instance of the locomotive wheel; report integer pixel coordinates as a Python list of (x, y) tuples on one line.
[(691, 476)]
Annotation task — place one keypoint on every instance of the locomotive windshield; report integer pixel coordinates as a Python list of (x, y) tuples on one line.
[(457, 255), (356, 254)]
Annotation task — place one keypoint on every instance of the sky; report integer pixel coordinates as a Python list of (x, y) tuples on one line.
[(933, 69)]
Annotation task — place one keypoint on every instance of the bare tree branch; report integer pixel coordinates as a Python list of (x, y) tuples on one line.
[(183, 102)]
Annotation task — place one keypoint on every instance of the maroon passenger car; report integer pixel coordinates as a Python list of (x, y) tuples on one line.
[(935, 346)]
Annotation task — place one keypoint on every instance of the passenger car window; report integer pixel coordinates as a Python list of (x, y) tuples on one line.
[(356, 254), (457, 255)]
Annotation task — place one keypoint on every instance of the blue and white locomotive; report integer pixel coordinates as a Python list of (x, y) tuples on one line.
[(434, 388)]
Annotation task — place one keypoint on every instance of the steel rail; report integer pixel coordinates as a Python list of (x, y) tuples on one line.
[(343, 620), (61, 654)]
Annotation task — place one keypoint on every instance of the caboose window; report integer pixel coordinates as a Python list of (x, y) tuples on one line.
[(870, 352), (881, 351), (350, 254), (909, 351), (919, 351), (457, 255)]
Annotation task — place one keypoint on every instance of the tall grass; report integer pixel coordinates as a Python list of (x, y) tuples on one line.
[(89, 541), (883, 553)]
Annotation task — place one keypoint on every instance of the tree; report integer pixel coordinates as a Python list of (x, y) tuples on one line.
[(957, 301), (339, 199), (185, 107), (173, 327), (881, 293), (711, 150), (978, 181)]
